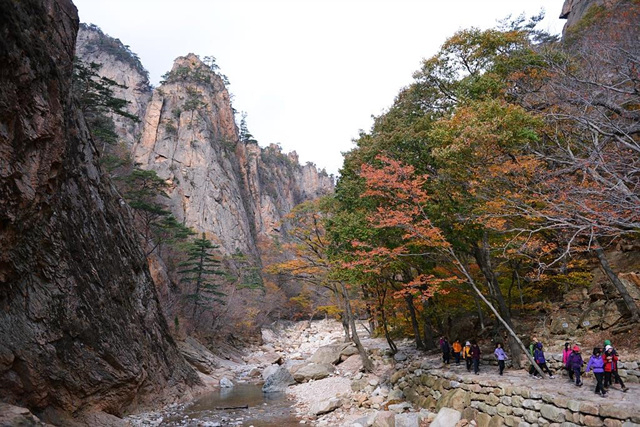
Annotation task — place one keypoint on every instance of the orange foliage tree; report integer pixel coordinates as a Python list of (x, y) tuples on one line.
[(403, 205)]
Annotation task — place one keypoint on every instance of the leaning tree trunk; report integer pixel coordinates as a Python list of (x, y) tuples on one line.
[(367, 364), (613, 277), (506, 324)]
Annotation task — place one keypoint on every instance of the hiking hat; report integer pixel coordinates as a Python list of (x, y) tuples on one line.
[(576, 349), (607, 348), (607, 342)]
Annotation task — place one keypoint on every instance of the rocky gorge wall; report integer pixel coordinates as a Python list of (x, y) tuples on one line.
[(493, 402), (233, 190), (80, 323)]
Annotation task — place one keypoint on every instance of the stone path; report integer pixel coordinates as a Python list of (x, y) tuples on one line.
[(560, 385)]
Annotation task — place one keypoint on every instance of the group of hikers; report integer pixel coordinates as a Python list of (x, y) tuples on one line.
[(604, 364), (470, 353)]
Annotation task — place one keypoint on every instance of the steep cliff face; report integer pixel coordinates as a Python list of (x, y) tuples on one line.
[(574, 10), (80, 323), (119, 64), (189, 139), (233, 190)]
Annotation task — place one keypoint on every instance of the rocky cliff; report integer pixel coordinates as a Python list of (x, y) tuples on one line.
[(231, 189), (119, 64), (80, 324), (574, 10)]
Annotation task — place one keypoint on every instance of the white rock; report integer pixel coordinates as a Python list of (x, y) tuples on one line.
[(446, 417)]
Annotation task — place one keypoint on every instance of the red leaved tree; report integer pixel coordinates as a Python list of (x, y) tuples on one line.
[(403, 205)]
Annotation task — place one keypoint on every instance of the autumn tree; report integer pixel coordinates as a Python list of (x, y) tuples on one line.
[(404, 207), (587, 185), (311, 263)]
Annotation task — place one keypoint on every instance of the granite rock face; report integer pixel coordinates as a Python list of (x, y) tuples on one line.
[(121, 65), (574, 10), (233, 190), (80, 323)]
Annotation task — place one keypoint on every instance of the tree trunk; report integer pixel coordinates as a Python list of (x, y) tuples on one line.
[(385, 326), (483, 258), (367, 364), (520, 290), (414, 321), (479, 308), (344, 318), (392, 346), (370, 313), (429, 336), (345, 326), (613, 277)]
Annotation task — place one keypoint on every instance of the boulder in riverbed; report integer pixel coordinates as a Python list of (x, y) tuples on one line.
[(268, 371), (313, 371), (325, 406), (278, 381), (331, 353), (384, 419)]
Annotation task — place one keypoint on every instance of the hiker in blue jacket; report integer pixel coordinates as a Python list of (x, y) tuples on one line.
[(574, 364), (538, 356), (597, 364)]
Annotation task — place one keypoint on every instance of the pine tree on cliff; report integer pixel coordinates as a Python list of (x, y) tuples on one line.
[(199, 271)]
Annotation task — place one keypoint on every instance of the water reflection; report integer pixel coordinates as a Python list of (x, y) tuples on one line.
[(262, 410)]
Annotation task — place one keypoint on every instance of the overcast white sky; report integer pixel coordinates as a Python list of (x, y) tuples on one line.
[(309, 73)]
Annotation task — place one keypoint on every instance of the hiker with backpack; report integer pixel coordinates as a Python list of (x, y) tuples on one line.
[(541, 361), (466, 353), (532, 347), (574, 365)]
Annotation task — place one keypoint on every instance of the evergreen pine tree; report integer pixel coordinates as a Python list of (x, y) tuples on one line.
[(198, 271)]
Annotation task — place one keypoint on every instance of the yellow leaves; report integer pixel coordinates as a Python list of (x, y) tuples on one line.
[(330, 310)]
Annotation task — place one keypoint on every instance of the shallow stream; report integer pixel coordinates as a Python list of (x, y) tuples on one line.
[(262, 410)]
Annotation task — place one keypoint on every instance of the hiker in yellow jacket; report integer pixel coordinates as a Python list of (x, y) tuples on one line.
[(466, 353)]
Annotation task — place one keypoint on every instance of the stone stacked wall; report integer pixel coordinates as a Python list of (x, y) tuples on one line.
[(629, 371), (495, 403)]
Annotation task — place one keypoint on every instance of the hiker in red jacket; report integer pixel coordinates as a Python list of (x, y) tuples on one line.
[(610, 359)]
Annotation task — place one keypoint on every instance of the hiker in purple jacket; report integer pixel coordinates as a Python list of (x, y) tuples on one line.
[(501, 356), (574, 364), (597, 364), (538, 356)]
